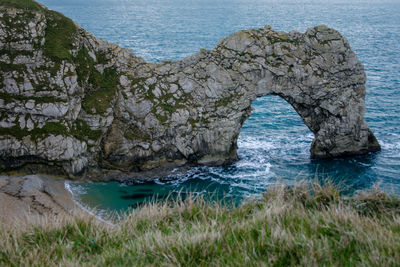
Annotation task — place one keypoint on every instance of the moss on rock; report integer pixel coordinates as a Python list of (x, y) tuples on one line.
[(101, 86), (22, 4), (11, 98), (98, 101), (82, 131), (60, 33), (50, 128)]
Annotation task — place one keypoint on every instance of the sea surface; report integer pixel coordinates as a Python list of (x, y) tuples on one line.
[(274, 143)]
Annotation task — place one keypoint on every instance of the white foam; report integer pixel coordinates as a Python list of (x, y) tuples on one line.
[(98, 214), (255, 164), (255, 143), (268, 168), (390, 146)]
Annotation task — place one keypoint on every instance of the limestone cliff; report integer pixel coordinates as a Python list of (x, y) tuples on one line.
[(73, 104)]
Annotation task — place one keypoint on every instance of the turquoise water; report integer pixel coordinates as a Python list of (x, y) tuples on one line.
[(274, 142)]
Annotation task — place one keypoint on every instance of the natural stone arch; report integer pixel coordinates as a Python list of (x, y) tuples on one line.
[(316, 72), (73, 102)]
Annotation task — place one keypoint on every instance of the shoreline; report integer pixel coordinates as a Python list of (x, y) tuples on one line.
[(83, 208), (24, 197), (34, 196)]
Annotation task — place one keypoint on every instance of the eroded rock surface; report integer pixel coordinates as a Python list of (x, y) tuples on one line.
[(22, 197), (73, 104)]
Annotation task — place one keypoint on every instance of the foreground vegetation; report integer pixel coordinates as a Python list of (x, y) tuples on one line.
[(306, 225)]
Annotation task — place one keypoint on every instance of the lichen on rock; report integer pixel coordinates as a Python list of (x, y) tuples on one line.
[(84, 106)]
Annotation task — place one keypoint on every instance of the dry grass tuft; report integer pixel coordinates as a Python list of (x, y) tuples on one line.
[(304, 225)]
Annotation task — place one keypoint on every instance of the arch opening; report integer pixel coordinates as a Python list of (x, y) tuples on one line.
[(273, 138), (274, 145)]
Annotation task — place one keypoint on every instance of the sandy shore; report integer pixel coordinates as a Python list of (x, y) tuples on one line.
[(24, 197)]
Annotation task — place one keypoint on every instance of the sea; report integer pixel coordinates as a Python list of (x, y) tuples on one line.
[(274, 142)]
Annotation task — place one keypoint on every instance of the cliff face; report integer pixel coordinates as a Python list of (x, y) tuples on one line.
[(73, 104)]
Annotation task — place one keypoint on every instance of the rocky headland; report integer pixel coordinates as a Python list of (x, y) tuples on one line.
[(74, 105)]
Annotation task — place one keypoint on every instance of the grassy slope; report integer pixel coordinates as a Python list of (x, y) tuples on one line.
[(60, 30), (21, 4), (287, 227)]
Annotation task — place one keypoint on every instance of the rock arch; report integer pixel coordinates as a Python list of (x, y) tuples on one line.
[(316, 72), (90, 107)]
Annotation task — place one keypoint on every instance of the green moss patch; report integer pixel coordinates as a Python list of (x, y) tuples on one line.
[(5, 67), (102, 87), (98, 101), (82, 131), (168, 108), (60, 33), (224, 101), (21, 4), (150, 95), (134, 133), (54, 128), (161, 118), (10, 98), (84, 64), (283, 39)]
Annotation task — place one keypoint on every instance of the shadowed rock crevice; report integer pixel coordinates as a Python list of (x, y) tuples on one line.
[(90, 107)]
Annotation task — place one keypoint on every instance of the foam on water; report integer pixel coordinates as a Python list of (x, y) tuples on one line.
[(78, 190), (274, 143)]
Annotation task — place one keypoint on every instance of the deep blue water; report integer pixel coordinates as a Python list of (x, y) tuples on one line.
[(274, 143)]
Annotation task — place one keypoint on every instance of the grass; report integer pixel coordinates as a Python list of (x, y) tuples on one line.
[(60, 32), (306, 225), (21, 4)]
